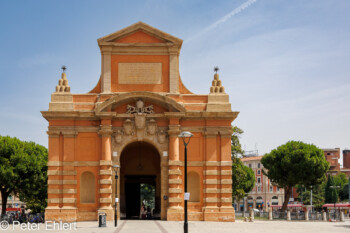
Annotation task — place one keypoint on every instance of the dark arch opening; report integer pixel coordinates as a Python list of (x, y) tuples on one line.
[(140, 170)]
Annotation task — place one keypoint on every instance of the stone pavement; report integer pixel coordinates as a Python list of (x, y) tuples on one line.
[(135, 226)]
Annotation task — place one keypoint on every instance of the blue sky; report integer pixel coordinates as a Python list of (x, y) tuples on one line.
[(285, 64)]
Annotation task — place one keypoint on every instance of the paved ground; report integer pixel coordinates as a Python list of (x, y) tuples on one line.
[(135, 226)]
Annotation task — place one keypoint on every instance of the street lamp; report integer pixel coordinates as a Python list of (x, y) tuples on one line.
[(186, 135), (335, 196), (311, 198), (115, 168)]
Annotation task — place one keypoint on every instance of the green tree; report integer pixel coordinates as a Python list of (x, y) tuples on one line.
[(331, 190), (23, 172), (328, 192), (341, 181), (34, 187), (345, 193), (148, 194), (243, 179), (295, 163), (317, 195), (236, 148)]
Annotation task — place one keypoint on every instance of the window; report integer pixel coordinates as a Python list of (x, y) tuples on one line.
[(278, 189), (259, 180), (259, 189), (87, 188), (259, 172), (258, 165), (194, 186), (250, 165), (271, 188)]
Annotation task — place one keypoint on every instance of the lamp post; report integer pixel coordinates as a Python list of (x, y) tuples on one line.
[(116, 167), (184, 135), (311, 198), (335, 196)]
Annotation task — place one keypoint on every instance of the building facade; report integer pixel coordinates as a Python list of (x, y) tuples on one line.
[(346, 163), (332, 156), (13, 202), (132, 118), (264, 192)]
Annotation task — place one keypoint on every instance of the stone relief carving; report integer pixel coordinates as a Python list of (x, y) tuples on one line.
[(140, 121), (128, 127), (152, 127), (161, 136), (139, 127), (139, 109), (118, 136)]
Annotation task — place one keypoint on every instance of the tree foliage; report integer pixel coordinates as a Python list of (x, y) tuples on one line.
[(341, 181), (295, 163), (148, 194), (236, 147), (336, 188), (331, 193), (243, 179), (317, 195), (23, 172)]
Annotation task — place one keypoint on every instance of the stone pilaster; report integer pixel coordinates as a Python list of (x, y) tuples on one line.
[(175, 210), (106, 80), (54, 182), (210, 180), (68, 175), (106, 169), (173, 70)]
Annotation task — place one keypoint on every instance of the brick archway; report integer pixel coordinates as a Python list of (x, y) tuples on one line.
[(139, 164)]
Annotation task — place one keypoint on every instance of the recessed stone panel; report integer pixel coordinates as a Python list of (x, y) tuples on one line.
[(140, 73)]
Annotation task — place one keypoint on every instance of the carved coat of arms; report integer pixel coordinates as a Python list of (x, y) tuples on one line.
[(139, 108)]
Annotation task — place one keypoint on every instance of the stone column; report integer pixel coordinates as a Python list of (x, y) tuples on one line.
[(324, 216), (288, 215), (105, 188), (251, 214), (270, 214), (307, 214), (341, 215), (69, 181), (175, 209)]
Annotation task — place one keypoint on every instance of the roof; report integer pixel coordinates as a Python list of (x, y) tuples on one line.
[(289, 205), (337, 205), (253, 158), (331, 149)]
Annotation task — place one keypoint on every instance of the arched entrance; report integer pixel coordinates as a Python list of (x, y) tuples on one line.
[(140, 180)]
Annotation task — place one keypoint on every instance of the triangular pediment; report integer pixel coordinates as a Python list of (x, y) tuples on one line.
[(139, 33), (139, 37)]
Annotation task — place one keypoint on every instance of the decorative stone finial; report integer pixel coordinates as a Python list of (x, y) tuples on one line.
[(216, 86), (63, 86)]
